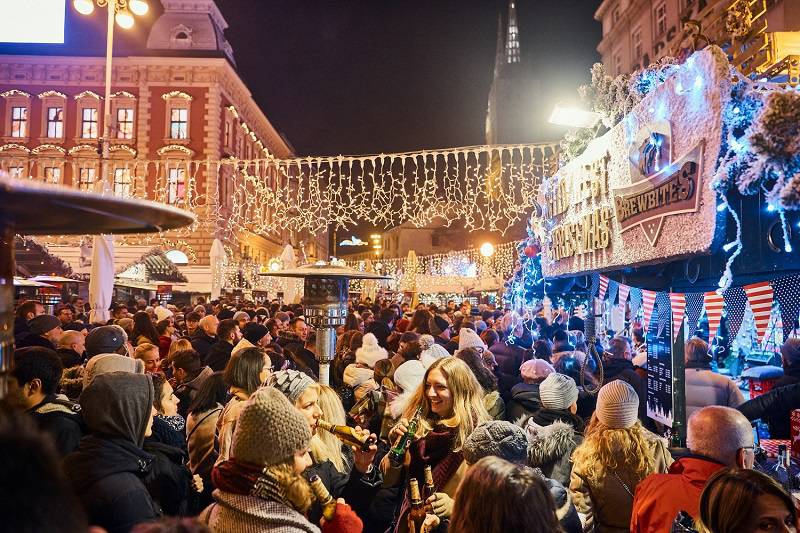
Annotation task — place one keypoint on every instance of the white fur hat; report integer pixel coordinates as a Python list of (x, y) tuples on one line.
[(370, 353)]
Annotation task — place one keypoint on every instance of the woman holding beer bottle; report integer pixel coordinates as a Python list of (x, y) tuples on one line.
[(439, 417)]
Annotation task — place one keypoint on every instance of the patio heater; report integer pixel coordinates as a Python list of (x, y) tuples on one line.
[(325, 291), (31, 208)]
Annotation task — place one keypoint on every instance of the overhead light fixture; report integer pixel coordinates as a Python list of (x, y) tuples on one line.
[(138, 7), (573, 117), (84, 7), (125, 19)]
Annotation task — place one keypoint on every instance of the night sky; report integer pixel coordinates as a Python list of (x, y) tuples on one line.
[(360, 77), (372, 76)]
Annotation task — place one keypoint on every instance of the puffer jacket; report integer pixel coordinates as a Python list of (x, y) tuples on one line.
[(704, 387), (524, 401), (360, 378), (238, 513), (550, 448), (608, 505)]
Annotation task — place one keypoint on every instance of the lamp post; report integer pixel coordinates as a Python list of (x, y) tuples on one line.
[(325, 291), (122, 11)]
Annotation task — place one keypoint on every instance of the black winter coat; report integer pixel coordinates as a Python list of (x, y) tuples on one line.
[(202, 343), (774, 408), (107, 475), (524, 401), (61, 419), (357, 490)]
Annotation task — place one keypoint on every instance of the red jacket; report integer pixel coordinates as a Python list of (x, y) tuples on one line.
[(659, 497)]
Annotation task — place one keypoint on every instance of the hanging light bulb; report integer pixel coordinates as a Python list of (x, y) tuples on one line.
[(138, 7), (124, 19), (84, 7)]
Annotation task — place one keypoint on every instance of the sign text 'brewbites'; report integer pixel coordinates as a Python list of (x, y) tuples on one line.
[(639, 194)]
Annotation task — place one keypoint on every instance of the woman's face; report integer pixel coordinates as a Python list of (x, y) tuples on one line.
[(307, 404), (439, 394), (169, 402), (302, 460), (266, 370), (770, 514)]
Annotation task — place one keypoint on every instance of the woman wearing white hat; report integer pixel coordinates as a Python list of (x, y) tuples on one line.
[(616, 454)]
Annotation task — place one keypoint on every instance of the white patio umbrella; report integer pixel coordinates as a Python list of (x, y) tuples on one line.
[(218, 260), (289, 260), (101, 278)]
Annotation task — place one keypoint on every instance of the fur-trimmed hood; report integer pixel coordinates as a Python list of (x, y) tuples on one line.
[(549, 443)]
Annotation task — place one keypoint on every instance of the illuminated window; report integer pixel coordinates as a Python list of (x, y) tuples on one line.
[(176, 185), (19, 122), (89, 126), (637, 43), (661, 19), (124, 123), (178, 123), (15, 172), (86, 178), (122, 181), (52, 175), (55, 122)]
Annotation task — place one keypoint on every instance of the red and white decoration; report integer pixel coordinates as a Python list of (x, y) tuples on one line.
[(760, 296), (678, 302)]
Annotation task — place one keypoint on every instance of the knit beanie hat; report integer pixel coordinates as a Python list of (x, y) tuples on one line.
[(370, 353), (432, 353), (536, 369), (269, 429), (291, 383), (467, 338), (498, 438), (241, 315), (254, 332), (437, 325), (162, 313), (409, 375), (43, 324), (105, 339), (558, 392), (617, 405)]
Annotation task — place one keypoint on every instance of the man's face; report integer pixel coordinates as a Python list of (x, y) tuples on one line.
[(301, 329), (122, 312), (79, 344), (79, 304), (210, 326), (65, 315), (21, 397), (236, 335), (191, 325), (179, 374)]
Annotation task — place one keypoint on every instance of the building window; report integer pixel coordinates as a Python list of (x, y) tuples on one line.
[(89, 123), (19, 122), (55, 122), (637, 43), (122, 181), (52, 175), (176, 185), (661, 19), (227, 135), (86, 178), (124, 123), (15, 172), (178, 122), (616, 59)]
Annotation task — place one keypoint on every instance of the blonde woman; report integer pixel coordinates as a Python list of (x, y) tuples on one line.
[(616, 454), (357, 485), (325, 445), (451, 402)]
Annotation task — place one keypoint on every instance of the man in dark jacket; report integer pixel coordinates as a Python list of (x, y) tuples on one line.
[(790, 357), (382, 326), (775, 408), (71, 347), (292, 340), (717, 437), (108, 468), (189, 374), (45, 330), (37, 372), (205, 335), (25, 312), (220, 352)]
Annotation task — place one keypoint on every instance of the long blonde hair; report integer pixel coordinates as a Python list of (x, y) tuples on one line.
[(325, 445), (606, 449), (467, 394), (281, 482)]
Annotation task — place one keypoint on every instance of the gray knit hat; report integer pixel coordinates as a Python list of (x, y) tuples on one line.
[(43, 323), (558, 392), (291, 383), (617, 405), (269, 429), (498, 438)]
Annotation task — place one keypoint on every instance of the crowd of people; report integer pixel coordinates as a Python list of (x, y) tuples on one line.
[(211, 418)]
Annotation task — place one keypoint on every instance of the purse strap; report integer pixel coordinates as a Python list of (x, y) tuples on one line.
[(624, 485)]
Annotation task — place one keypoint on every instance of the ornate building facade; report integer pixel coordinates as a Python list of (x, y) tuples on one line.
[(178, 110)]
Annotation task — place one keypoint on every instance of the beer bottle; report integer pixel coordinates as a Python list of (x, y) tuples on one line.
[(323, 497), (429, 488), (347, 435), (398, 453), (416, 517)]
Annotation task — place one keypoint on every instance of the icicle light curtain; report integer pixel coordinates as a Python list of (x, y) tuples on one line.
[(481, 187)]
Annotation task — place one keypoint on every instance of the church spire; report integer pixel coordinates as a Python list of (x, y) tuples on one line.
[(512, 54)]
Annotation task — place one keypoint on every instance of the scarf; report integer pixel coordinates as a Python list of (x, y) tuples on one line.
[(434, 449), (238, 477), (176, 422)]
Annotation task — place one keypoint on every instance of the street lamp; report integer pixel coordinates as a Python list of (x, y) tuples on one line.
[(122, 11), (573, 117)]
